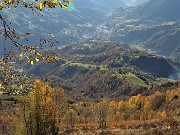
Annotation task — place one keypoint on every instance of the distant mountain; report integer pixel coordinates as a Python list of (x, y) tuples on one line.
[(161, 10), (154, 25), (156, 9), (162, 39), (84, 4), (110, 4), (89, 4)]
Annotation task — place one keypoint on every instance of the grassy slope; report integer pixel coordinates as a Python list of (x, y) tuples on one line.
[(134, 79)]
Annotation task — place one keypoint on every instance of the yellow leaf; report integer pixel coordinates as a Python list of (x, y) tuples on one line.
[(10, 1), (21, 55), (26, 81), (1, 5), (32, 62), (37, 59), (55, 1), (65, 7), (40, 6), (21, 86)]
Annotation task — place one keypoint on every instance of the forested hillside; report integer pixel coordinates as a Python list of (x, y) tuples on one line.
[(96, 68)]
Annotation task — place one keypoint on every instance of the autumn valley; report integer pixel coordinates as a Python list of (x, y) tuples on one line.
[(89, 67)]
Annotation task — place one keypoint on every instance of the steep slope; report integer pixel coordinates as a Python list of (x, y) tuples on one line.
[(155, 65), (156, 9), (166, 43)]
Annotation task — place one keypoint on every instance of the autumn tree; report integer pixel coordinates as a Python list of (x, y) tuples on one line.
[(117, 116), (61, 103), (39, 113), (120, 105), (131, 108), (147, 109), (102, 113), (6, 121), (158, 99), (112, 110), (85, 112), (71, 118), (121, 111)]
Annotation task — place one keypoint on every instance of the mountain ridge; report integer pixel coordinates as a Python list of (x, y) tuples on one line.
[(111, 5), (157, 9)]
